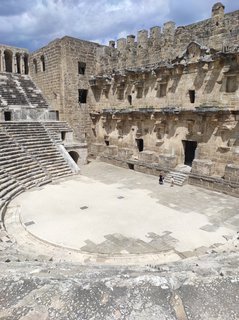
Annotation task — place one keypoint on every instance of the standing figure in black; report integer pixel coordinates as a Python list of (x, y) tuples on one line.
[(161, 178)]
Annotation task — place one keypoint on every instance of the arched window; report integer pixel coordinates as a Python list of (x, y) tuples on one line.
[(8, 60), (74, 155), (18, 62), (26, 63), (43, 66), (35, 65)]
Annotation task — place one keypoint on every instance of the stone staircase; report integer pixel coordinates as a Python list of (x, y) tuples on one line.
[(179, 177), (34, 139), (56, 128)]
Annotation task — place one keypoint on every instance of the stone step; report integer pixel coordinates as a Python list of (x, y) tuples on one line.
[(15, 191), (6, 184), (8, 161), (8, 189), (179, 177)]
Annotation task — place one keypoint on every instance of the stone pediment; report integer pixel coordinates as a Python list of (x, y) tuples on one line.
[(194, 52)]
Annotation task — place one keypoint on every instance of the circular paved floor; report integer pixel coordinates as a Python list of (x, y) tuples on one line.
[(111, 210)]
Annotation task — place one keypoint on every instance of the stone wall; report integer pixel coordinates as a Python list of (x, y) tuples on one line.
[(73, 52), (61, 80), (45, 70), (163, 137), (220, 32), (200, 77)]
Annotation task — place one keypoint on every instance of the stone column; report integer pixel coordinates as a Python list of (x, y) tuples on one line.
[(22, 65), (3, 62), (14, 63)]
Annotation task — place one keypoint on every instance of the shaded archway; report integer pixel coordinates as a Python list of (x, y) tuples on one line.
[(43, 66), (25, 59), (189, 151), (74, 155), (8, 60), (18, 62), (35, 65)]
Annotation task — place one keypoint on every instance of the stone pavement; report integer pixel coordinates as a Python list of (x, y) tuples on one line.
[(113, 215)]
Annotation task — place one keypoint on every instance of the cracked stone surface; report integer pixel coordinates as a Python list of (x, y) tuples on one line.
[(194, 289)]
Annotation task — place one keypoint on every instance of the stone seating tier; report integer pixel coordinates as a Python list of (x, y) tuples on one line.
[(16, 89), (34, 138), (28, 158)]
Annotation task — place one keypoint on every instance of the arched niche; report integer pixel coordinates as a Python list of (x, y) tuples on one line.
[(25, 60), (18, 62), (43, 64), (8, 60), (74, 155), (35, 65)]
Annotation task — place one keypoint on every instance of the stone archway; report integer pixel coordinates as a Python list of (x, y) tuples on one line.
[(74, 155), (8, 60)]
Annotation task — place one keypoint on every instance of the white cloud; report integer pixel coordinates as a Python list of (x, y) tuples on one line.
[(33, 23)]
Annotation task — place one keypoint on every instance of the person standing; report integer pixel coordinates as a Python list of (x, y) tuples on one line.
[(172, 181), (161, 179)]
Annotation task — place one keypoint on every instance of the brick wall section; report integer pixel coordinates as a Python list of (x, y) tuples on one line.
[(77, 114), (60, 81), (49, 81)]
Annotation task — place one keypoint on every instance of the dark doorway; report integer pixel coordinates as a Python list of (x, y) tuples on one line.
[(189, 151), (140, 144), (74, 155), (7, 116), (82, 93), (192, 95), (107, 143), (131, 166), (63, 135), (130, 99)]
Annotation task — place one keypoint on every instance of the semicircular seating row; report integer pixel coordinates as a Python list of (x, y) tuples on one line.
[(28, 158)]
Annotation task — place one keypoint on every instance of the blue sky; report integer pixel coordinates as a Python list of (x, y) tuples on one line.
[(33, 23)]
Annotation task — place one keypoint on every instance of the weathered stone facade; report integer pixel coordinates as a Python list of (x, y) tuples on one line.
[(166, 100)]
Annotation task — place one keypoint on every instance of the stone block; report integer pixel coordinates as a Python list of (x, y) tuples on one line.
[(125, 153), (97, 148), (167, 161), (148, 156), (111, 150), (232, 173), (203, 167)]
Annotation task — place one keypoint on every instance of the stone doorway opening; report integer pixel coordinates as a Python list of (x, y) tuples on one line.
[(63, 135), (189, 151), (131, 166), (74, 155), (7, 115), (140, 144)]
